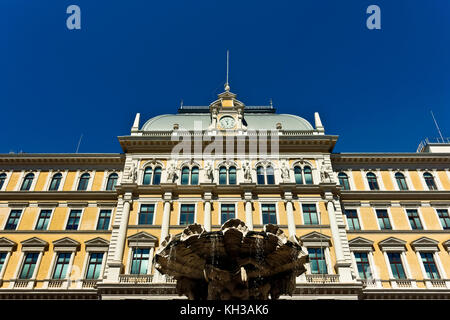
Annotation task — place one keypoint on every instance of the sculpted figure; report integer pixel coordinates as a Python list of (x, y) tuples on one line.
[(284, 172), (171, 174), (133, 173), (209, 172), (247, 172), (324, 175)]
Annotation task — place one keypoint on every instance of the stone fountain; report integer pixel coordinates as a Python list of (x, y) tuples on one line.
[(233, 263)]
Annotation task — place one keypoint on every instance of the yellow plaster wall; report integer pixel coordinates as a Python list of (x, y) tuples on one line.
[(387, 180), (69, 181), (445, 181), (13, 181), (416, 181), (98, 181), (42, 179), (358, 180)]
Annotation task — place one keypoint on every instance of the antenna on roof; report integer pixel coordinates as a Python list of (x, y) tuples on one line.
[(79, 141), (437, 126), (227, 86), (181, 103)]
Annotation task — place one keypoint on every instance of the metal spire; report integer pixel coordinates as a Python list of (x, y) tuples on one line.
[(227, 86), (435, 122)]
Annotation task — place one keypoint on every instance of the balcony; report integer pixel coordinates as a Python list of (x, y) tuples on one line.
[(322, 278), (369, 283), (436, 284), (401, 283), (135, 278), (56, 284), (89, 283), (23, 284)]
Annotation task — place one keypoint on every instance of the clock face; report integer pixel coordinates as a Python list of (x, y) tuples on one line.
[(227, 122)]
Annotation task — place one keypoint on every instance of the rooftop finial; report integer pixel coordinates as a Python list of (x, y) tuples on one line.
[(227, 86)]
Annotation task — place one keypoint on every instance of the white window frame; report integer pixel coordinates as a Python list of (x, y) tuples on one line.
[(56, 251), (358, 214), (20, 219), (422, 221), (155, 203), (319, 214), (377, 174), (150, 258), (8, 250), (52, 209), (22, 177), (68, 215), (408, 181), (98, 217), (405, 265), (267, 201), (391, 221), (51, 173), (326, 250), (219, 218), (8, 177), (77, 179), (436, 208), (179, 211), (349, 174)]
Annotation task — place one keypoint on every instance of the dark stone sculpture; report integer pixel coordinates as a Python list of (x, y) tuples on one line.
[(233, 263)]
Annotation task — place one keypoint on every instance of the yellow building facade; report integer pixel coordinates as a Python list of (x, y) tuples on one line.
[(86, 226)]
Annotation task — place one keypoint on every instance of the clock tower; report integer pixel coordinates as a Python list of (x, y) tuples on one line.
[(227, 113)]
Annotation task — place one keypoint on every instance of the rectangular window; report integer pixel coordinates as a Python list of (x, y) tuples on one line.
[(430, 265), (445, 219), (269, 213), (310, 214), (43, 220), (227, 212), (29, 265), (187, 214), (396, 265), (414, 219), (352, 219), (104, 218), (146, 214), (317, 261), (139, 263), (2, 259), (74, 220), (13, 220), (383, 219), (363, 265), (62, 264), (95, 265)]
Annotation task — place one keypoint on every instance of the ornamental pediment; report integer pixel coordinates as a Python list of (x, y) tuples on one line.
[(360, 243), (315, 238), (66, 242), (97, 242), (34, 242), (425, 243), (6, 243), (142, 239), (392, 243)]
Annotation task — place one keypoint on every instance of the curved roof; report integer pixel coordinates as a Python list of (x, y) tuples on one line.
[(186, 121)]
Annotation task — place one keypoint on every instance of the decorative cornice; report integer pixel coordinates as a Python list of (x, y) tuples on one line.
[(385, 158), (62, 158)]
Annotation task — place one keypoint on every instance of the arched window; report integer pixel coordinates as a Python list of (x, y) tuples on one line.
[(298, 175), (157, 176), (343, 181), (185, 175), (260, 175), (372, 181), (194, 175), (2, 180), (232, 175), (56, 180), (27, 181), (147, 176), (112, 181), (429, 180), (308, 175), (222, 175), (84, 181), (401, 181), (270, 175)]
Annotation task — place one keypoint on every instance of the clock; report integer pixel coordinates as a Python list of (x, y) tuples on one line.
[(227, 122)]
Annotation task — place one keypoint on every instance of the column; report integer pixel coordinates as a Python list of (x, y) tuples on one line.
[(122, 231), (344, 267), (207, 221), (166, 220), (290, 217)]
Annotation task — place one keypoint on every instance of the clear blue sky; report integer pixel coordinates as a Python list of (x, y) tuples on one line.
[(373, 88)]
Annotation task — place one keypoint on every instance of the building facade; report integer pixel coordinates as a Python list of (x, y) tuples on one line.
[(86, 226)]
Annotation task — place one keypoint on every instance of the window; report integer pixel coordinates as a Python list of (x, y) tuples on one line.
[(308, 175), (13, 220), (2, 259), (232, 175), (429, 180), (343, 181), (103, 219), (270, 175), (414, 219), (429, 265), (74, 220), (185, 175), (29, 265), (27, 182), (43, 220), (222, 175), (62, 264), (187, 214), (139, 263), (352, 219), (157, 176), (260, 175), (147, 176), (317, 261), (310, 214), (84, 181), (298, 175), (146, 214), (269, 213), (383, 219), (444, 218), (194, 175), (56, 181), (2, 180), (94, 265), (396, 265), (112, 181), (401, 181), (363, 265), (372, 181), (227, 212)]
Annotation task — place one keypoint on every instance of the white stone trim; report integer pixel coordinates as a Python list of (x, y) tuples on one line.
[(5, 264), (68, 215), (52, 209), (179, 210), (422, 221), (260, 210), (144, 201), (388, 208), (326, 251), (358, 214), (20, 219), (436, 208), (130, 259), (8, 177), (219, 218), (319, 213)]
